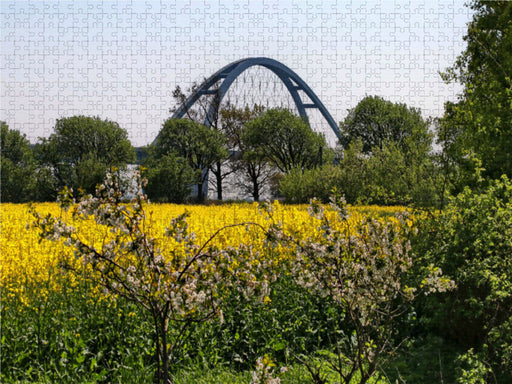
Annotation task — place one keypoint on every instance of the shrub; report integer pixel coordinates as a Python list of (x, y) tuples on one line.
[(176, 291), (299, 186), (367, 270), (385, 177), (472, 242), (170, 179)]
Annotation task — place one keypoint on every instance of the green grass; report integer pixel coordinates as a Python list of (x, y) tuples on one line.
[(71, 337), (220, 375)]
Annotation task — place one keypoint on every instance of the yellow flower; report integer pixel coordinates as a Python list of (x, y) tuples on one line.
[(30, 266)]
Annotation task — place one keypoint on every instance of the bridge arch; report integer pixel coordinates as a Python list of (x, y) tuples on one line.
[(228, 74)]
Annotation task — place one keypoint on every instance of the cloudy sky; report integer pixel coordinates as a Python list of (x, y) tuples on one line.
[(121, 60)]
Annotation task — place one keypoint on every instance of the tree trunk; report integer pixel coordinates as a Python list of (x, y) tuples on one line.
[(218, 175), (165, 377), (200, 194), (255, 190)]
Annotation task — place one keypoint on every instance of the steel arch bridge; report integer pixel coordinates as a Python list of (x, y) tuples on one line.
[(219, 83)]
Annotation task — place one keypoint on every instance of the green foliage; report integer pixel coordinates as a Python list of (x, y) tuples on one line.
[(169, 179), (387, 156), (71, 336), (475, 371), (398, 177), (251, 166), (285, 140), (293, 321), (353, 173), (386, 177), (17, 183), (90, 171), (376, 121), (299, 186), (386, 160), (423, 359), (476, 131), (18, 169), (82, 149), (472, 242), (199, 145), (111, 340), (295, 374), (14, 145), (46, 188), (233, 123), (217, 375), (79, 137)]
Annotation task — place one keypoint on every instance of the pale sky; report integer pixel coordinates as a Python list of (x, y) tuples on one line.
[(121, 60)]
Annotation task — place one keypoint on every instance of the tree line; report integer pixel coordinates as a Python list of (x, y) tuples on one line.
[(385, 156), (264, 151)]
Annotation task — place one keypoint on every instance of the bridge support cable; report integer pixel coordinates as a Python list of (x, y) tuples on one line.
[(219, 83)]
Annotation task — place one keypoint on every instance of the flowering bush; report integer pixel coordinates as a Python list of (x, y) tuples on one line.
[(365, 267), (183, 287)]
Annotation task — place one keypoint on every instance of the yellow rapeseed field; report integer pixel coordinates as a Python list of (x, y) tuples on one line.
[(29, 263)]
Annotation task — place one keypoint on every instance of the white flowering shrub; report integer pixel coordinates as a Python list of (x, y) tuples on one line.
[(366, 268), (183, 286)]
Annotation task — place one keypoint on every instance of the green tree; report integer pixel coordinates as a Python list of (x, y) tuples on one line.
[(476, 131), (376, 121), (18, 168), (285, 140), (206, 110), (393, 142), (200, 146), (83, 148), (397, 177), (169, 179), (251, 167)]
